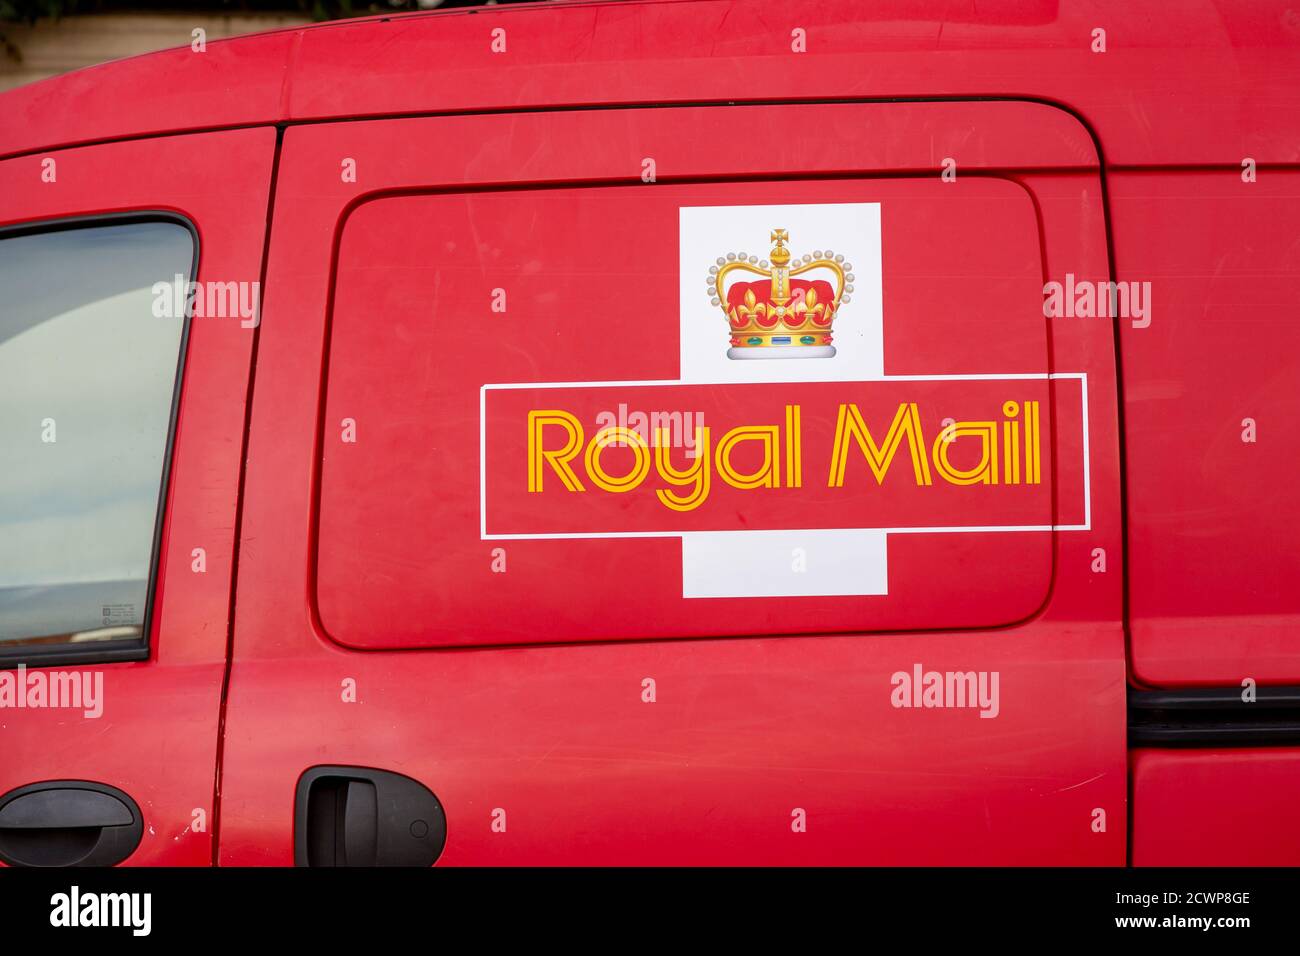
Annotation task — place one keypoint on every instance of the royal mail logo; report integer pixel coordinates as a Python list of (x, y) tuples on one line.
[(830, 457), (788, 311), (769, 456), (872, 455)]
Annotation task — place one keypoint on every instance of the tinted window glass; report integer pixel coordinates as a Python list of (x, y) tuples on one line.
[(87, 373)]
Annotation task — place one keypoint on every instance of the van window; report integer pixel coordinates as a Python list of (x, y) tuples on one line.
[(87, 377)]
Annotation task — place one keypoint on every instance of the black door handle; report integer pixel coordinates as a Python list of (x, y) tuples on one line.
[(357, 816), (68, 823)]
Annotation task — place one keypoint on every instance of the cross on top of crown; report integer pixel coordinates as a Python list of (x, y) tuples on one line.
[(780, 254)]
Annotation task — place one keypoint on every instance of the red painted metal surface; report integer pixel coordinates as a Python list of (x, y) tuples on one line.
[(594, 297), (157, 737), (1213, 560), (1216, 807), (746, 731), (1209, 81)]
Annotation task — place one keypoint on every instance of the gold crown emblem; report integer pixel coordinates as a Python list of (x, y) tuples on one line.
[(776, 315)]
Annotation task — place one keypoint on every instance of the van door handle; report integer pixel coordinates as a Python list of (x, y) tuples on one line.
[(360, 823), (357, 816), (68, 823)]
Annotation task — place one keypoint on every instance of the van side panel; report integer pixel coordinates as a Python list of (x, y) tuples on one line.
[(157, 735), (1216, 807), (764, 748), (1211, 383)]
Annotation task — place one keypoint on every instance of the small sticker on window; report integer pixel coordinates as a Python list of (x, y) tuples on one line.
[(118, 614)]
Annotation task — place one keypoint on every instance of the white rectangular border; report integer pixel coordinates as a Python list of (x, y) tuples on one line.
[(961, 529)]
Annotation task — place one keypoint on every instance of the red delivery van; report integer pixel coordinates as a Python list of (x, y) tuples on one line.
[(657, 433)]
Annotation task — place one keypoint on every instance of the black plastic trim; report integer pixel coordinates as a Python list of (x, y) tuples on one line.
[(134, 649), (1214, 717)]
